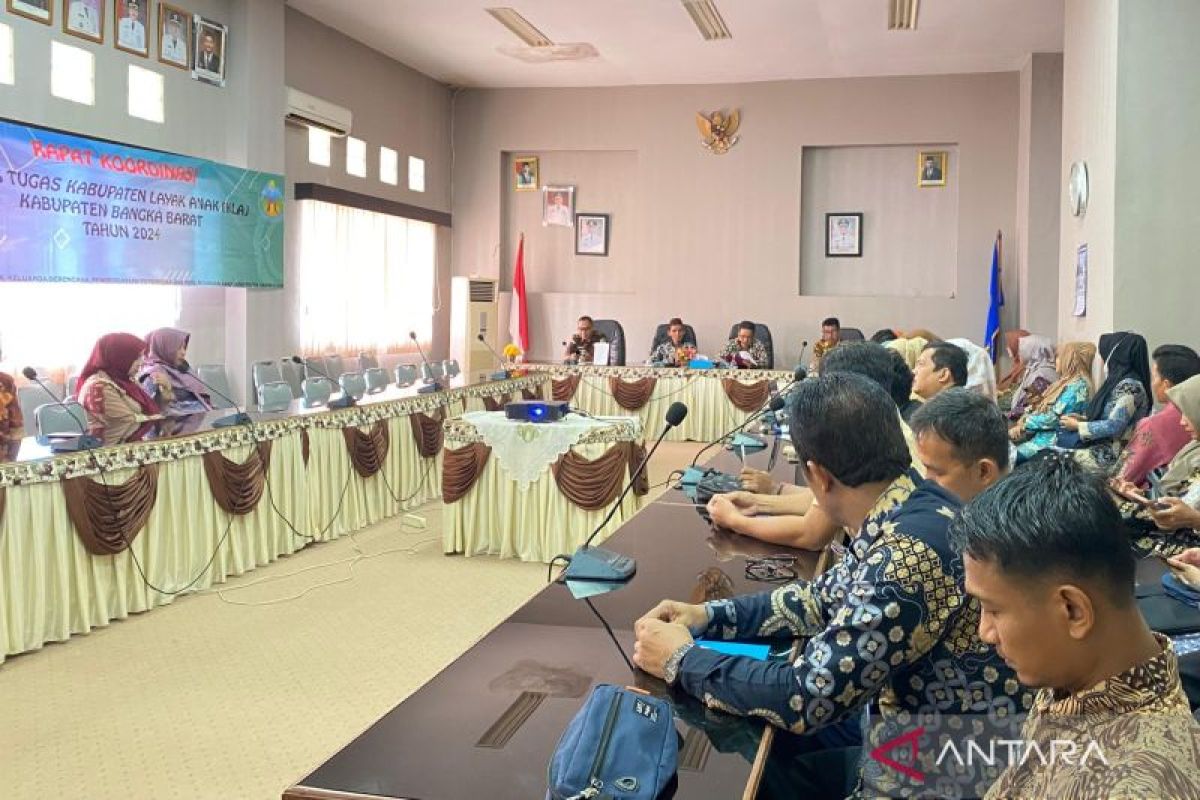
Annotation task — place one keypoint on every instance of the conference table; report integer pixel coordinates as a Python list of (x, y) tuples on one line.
[(487, 725), (535, 490), (717, 399), (87, 538)]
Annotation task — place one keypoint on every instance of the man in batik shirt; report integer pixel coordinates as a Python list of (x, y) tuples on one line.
[(1048, 558), (891, 623), (744, 351)]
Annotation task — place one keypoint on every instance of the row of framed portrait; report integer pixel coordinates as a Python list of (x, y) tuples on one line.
[(558, 209), (184, 41)]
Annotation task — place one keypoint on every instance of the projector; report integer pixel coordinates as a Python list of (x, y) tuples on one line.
[(536, 410)]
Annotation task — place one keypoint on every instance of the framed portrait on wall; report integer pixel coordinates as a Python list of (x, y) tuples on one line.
[(40, 10), (174, 36), (129, 26), (85, 19), (931, 168), (843, 235), (209, 39), (525, 174), (558, 206), (591, 234)]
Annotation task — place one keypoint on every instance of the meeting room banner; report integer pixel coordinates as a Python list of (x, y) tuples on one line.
[(79, 209)]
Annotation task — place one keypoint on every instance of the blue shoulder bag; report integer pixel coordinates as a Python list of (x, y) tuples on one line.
[(622, 745)]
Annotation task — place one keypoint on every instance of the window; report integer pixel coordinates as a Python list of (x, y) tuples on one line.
[(72, 73), (389, 166), (6, 55), (89, 311), (416, 174), (364, 280), (145, 94), (318, 147), (356, 157)]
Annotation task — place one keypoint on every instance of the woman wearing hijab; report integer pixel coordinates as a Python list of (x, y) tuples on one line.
[(1160, 436), (1038, 429), (1122, 400), (1177, 510), (164, 378), (1036, 356), (909, 348), (118, 409), (1012, 345), (981, 373)]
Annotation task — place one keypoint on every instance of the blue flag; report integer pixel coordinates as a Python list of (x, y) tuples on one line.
[(991, 336)]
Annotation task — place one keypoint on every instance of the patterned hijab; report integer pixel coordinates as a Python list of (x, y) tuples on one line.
[(164, 344), (1126, 358), (1185, 397), (1036, 354), (114, 354), (1074, 363)]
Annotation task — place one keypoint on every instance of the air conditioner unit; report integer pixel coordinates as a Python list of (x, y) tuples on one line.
[(313, 112), (474, 309)]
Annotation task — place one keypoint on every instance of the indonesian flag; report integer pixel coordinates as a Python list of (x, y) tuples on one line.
[(518, 319)]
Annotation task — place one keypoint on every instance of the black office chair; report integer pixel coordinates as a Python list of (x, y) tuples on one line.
[(852, 335), (660, 336), (763, 334), (615, 334)]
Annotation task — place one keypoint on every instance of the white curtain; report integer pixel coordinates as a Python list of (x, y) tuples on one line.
[(53, 326), (364, 280)]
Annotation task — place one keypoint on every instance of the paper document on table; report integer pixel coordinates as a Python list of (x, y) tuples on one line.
[(600, 353)]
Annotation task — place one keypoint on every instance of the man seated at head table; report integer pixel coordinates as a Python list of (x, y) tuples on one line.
[(891, 616), (784, 513), (1048, 559), (118, 409), (674, 352), (744, 351), (579, 350), (831, 335), (12, 422), (940, 366)]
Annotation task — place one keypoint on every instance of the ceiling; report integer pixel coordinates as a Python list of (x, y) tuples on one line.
[(643, 42)]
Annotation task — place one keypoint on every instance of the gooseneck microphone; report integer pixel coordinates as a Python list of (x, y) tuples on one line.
[(501, 373), (239, 417), (597, 564), (431, 383), (84, 441), (345, 401)]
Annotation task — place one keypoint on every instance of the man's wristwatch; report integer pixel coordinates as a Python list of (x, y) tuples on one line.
[(671, 668)]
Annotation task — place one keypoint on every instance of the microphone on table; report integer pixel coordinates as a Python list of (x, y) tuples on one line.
[(84, 441), (239, 417), (431, 383), (345, 401), (500, 374), (597, 564)]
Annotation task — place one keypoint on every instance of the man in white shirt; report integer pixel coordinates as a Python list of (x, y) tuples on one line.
[(84, 18), (131, 33), (174, 45)]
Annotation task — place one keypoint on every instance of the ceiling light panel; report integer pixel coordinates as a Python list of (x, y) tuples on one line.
[(522, 28), (708, 19), (902, 15)]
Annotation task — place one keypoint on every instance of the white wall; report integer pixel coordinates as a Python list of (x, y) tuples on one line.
[(1157, 281), (1040, 198), (1089, 134), (718, 238)]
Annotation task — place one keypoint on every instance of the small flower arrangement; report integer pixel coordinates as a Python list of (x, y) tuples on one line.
[(513, 355), (684, 355)]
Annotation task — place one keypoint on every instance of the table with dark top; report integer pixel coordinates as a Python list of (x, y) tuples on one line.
[(487, 725)]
